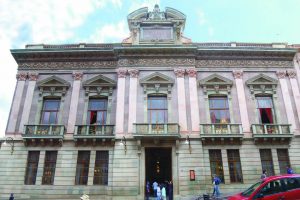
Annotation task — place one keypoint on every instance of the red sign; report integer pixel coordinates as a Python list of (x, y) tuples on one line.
[(192, 175)]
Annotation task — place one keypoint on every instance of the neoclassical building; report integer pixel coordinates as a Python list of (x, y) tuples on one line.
[(103, 119)]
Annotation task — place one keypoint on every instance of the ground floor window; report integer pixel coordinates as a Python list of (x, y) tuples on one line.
[(49, 167), (101, 168), (32, 166), (283, 160), (267, 161), (82, 168), (216, 164), (234, 164)]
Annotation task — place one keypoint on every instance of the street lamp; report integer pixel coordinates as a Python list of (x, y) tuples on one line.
[(10, 141), (123, 143)]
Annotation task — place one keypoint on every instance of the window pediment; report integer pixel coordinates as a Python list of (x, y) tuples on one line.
[(99, 84), (216, 83), (157, 81), (52, 85), (262, 84)]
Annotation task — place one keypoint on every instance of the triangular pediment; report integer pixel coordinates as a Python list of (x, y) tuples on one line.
[(99, 81), (53, 81), (157, 78), (215, 79), (261, 79)]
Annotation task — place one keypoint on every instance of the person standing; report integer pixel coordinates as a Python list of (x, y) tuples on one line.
[(154, 185), (158, 192), (170, 190), (147, 190), (216, 183), (11, 196), (263, 175), (163, 193), (289, 170)]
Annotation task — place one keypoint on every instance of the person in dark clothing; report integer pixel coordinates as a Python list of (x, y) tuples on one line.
[(11, 196), (147, 190), (170, 190)]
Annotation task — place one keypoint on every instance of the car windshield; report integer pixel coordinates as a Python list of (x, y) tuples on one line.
[(251, 189)]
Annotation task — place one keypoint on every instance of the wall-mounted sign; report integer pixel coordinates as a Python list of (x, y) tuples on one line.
[(192, 175)]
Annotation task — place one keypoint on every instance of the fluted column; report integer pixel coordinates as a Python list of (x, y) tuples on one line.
[(28, 100), (295, 88), (132, 98), (238, 76), (15, 107), (120, 100), (74, 101), (179, 72), (286, 98), (194, 104)]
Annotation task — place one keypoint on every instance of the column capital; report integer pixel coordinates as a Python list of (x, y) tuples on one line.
[(281, 74), (291, 73), (21, 76), (134, 73), (33, 76), (77, 76), (192, 72), (179, 72), (121, 72), (237, 74)]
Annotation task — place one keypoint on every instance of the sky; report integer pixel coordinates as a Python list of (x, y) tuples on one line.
[(104, 21)]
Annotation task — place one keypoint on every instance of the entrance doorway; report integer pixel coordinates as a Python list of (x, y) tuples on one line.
[(158, 167)]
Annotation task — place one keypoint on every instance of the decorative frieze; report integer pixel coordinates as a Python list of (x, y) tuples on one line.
[(33, 76), (21, 76), (134, 73), (179, 72), (237, 74), (243, 63), (157, 62), (281, 74), (191, 72), (291, 73), (121, 72), (77, 76)]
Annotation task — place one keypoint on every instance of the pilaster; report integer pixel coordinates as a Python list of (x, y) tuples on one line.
[(179, 72), (15, 107), (120, 100), (238, 76), (286, 99), (296, 94), (194, 104), (297, 66), (132, 98), (33, 76), (74, 101)]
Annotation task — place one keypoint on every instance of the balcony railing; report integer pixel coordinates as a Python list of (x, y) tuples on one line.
[(156, 129), (271, 129), (94, 130), (44, 130), (220, 129)]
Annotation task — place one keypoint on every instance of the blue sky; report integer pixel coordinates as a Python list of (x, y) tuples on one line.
[(72, 21)]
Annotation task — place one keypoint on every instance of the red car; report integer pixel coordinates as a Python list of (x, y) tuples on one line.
[(283, 187)]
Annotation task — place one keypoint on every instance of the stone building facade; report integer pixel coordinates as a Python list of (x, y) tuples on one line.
[(103, 119)]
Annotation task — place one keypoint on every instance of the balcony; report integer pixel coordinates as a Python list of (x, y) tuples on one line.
[(273, 133), (93, 133), (43, 133), (156, 131), (221, 133)]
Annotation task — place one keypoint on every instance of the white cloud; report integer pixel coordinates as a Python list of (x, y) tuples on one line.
[(136, 4), (201, 17)]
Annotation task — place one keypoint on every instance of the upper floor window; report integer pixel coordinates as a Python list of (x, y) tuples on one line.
[(50, 111), (97, 111), (265, 109), (219, 110), (157, 109)]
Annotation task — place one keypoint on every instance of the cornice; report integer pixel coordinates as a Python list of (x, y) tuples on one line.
[(243, 63)]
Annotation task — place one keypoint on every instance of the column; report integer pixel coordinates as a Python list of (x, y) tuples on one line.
[(286, 99), (179, 72), (238, 76), (120, 100), (194, 104), (297, 66), (295, 88), (132, 98), (15, 107), (74, 101), (28, 100)]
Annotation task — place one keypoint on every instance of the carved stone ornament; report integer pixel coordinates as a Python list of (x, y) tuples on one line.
[(77, 76), (21, 76), (157, 62), (121, 72), (134, 73), (33, 76), (191, 72), (237, 74), (179, 72), (244, 63), (291, 73), (281, 74)]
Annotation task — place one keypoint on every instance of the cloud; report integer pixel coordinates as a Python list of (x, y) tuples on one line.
[(201, 17), (136, 4)]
